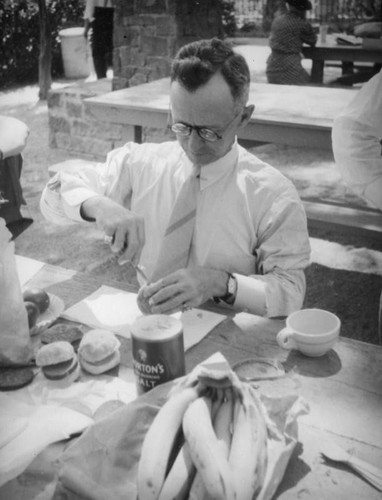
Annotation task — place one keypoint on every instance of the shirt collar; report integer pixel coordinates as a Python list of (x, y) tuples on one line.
[(214, 171)]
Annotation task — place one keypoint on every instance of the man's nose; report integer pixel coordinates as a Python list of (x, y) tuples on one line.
[(195, 141)]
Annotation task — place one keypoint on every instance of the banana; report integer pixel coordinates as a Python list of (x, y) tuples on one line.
[(159, 441), (198, 490), (217, 398), (178, 481), (264, 429), (205, 450), (248, 454), (223, 423)]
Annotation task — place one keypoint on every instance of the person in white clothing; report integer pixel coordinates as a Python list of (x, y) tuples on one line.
[(356, 139), (250, 242)]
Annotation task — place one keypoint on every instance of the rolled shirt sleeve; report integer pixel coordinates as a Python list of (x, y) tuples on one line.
[(282, 255), (65, 193)]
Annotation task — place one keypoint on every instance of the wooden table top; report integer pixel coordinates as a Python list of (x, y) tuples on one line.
[(283, 113), (315, 106), (343, 390)]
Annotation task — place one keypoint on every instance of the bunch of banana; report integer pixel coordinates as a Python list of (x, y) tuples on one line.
[(208, 441)]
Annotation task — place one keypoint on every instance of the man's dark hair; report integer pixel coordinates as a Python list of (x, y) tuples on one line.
[(196, 63)]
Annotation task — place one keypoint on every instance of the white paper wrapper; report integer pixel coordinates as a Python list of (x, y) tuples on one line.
[(46, 412), (23, 440)]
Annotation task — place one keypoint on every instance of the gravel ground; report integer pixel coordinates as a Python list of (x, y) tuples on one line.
[(345, 276)]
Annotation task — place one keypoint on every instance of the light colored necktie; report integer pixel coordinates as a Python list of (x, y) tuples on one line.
[(176, 245)]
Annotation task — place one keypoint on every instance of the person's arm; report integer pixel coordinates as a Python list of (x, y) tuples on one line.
[(88, 16), (86, 28), (308, 35), (277, 290), (356, 139), (97, 193), (283, 254)]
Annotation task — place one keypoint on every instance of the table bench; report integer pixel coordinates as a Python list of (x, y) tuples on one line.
[(332, 51), (285, 114), (320, 215)]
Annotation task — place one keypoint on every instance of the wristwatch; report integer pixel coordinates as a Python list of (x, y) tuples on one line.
[(230, 296)]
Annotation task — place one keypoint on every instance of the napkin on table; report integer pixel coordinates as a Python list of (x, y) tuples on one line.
[(116, 310)]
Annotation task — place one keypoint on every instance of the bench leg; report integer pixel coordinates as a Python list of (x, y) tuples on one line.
[(347, 67), (380, 320), (317, 75), (138, 134)]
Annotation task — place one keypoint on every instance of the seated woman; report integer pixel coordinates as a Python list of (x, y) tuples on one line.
[(288, 32), (13, 138)]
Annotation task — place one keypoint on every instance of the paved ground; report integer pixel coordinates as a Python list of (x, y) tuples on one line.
[(346, 275)]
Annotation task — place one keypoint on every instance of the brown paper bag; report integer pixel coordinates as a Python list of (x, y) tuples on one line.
[(15, 345), (103, 462)]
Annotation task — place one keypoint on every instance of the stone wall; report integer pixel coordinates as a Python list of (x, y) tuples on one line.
[(73, 128), (147, 35)]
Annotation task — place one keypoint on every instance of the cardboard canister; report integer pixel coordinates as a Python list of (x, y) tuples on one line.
[(158, 350)]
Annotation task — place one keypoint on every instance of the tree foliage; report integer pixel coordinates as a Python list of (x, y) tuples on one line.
[(20, 37), (228, 17)]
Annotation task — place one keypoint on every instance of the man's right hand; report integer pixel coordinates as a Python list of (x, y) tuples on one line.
[(126, 228)]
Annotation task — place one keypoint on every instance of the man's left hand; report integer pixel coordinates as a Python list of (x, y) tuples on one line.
[(183, 289)]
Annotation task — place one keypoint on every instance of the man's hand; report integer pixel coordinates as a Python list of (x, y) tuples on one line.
[(126, 228), (181, 289)]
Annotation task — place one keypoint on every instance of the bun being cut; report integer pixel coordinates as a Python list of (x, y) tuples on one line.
[(58, 361), (98, 351)]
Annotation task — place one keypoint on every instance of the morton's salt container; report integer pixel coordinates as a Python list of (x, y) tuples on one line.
[(158, 350)]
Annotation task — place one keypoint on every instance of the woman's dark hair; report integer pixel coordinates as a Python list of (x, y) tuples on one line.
[(196, 63)]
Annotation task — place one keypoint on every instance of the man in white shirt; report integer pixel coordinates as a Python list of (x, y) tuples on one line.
[(250, 242), (356, 139)]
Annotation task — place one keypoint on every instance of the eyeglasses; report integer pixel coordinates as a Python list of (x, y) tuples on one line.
[(204, 133)]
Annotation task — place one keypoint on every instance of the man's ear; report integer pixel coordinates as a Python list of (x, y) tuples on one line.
[(246, 115)]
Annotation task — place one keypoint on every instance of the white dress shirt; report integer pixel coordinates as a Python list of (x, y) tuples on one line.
[(250, 220), (356, 138)]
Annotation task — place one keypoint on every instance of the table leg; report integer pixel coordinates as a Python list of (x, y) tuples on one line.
[(347, 67), (380, 320), (317, 75)]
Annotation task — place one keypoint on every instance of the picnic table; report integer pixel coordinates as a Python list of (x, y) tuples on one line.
[(330, 50), (343, 390), (284, 114)]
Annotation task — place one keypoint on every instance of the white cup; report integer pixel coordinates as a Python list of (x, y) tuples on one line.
[(311, 331)]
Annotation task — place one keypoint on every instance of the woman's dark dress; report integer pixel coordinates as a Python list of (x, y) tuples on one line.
[(288, 33)]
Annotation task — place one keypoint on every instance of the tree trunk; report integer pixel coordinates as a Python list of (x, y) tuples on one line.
[(45, 56)]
